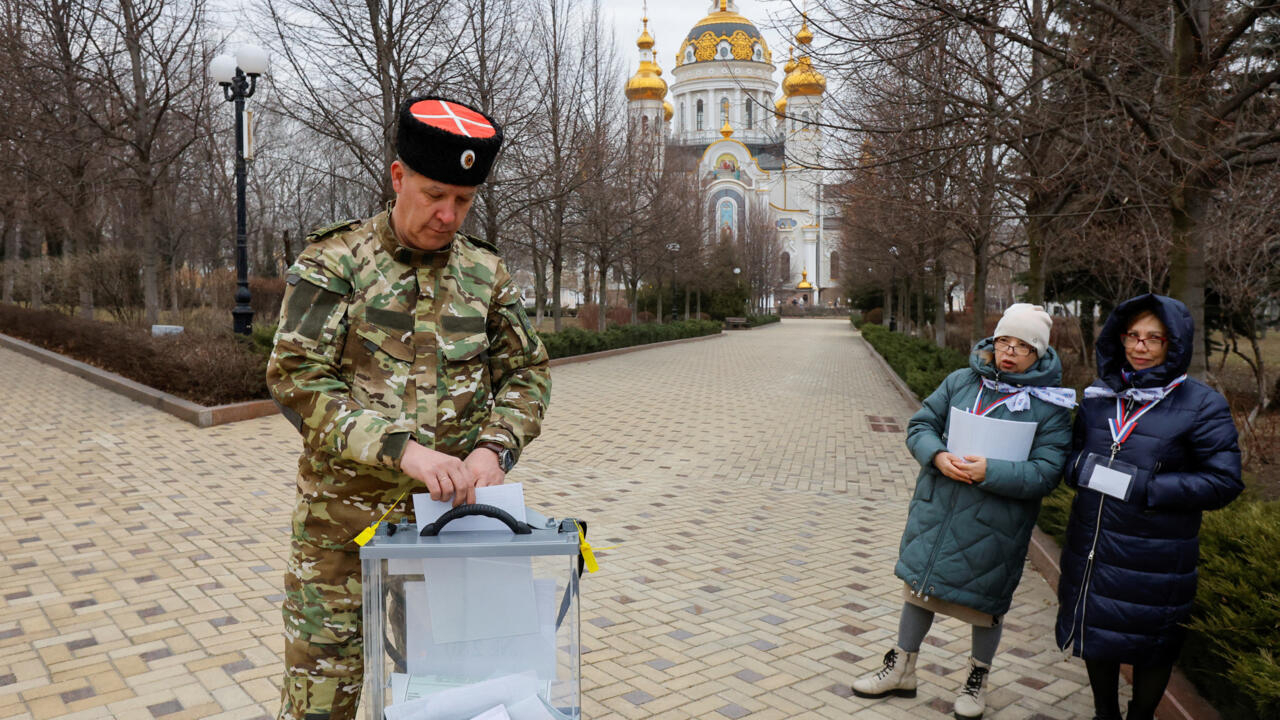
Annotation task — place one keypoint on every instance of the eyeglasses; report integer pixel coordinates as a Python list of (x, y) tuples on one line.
[(1018, 350), (1151, 342)]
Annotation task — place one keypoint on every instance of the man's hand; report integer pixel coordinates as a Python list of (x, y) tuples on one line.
[(483, 463), (444, 475), (974, 467), (947, 464)]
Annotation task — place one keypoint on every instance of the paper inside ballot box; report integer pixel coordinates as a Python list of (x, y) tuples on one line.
[(994, 439), (520, 646), (465, 702)]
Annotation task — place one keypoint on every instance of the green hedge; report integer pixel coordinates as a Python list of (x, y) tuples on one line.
[(758, 320), (920, 363), (576, 341), (1235, 628)]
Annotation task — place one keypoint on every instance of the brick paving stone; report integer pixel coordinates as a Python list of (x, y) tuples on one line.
[(755, 507)]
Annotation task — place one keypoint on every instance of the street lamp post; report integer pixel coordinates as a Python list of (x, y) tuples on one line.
[(238, 76), (673, 248)]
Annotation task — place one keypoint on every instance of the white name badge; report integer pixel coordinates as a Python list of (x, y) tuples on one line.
[(1109, 477)]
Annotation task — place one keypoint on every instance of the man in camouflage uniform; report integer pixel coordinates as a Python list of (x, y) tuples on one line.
[(404, 358)]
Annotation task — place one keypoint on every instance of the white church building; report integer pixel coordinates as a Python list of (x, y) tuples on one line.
[(755, 150)]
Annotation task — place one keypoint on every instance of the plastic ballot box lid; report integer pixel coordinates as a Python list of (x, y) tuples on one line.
[(539, 536)]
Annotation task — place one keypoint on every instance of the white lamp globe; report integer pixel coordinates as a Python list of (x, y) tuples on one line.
[(252, 59), (223, 69)]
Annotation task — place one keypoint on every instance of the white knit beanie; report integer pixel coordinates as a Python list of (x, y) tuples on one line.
[(1029, 323)]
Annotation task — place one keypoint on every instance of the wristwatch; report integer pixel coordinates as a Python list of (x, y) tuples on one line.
[(506, 458)]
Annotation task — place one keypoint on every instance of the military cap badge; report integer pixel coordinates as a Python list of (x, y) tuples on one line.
[(447, 141)]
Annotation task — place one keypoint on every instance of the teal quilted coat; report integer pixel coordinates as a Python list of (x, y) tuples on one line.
[(966, 543)]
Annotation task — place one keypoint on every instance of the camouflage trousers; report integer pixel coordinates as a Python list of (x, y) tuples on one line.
[(324, 644)]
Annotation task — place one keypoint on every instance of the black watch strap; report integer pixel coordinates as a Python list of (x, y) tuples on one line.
[(506, 458)]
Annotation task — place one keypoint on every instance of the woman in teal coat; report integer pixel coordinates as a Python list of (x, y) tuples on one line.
[(971, 517)]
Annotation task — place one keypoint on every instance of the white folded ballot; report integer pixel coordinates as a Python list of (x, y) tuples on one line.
[(988, 437), (512, 697)]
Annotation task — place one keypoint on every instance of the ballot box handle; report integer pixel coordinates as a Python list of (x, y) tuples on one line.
[(490, 511)]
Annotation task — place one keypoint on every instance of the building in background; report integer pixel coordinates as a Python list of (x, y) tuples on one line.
[(749, 144)]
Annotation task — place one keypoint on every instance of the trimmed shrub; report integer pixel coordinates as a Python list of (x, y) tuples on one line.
[(920, 363), (210, 369), (1235, 629), (576, 341), (758, 320), (874, 316)]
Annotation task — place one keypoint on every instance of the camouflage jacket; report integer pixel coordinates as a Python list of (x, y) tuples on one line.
[(379, 343)]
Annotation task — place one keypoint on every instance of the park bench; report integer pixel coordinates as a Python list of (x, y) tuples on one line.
[(731, 323)]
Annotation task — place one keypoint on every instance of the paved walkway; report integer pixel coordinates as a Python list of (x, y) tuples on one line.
[(755, 485)]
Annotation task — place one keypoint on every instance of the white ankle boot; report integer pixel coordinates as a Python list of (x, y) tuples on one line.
[(897, 677), (971, 703)]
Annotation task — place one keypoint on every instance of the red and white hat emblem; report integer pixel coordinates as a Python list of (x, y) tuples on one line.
[(452, 118)]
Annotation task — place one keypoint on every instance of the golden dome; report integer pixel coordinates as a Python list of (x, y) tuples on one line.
[(726, 129), (780, 107), (646, 83), (804, 281), (805, 35), (645, 41), (667, 110), (804, 80), (791, 62), (723, 24)]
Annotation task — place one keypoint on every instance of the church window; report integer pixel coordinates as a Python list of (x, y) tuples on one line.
[(757, 54), (724, 110), (683, 126), (833, 265), (726, 220), (784, 265), (804, 116), (699, 114), (688, 55), (644, 124), (723, 51), (748, 112)]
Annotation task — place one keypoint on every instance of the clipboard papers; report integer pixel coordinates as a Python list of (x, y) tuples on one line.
[(988, 437)]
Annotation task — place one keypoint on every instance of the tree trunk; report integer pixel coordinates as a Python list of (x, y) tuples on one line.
[(1087, 308), (658, 288), (557, 268), (603, 288), (37, 270), (12, 256), (686, 305), (1035, 254), (1189, 201), (1186, 266), (940, 305), (288, 249), (886, 317)]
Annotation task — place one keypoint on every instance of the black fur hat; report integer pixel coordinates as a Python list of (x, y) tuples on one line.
[(447, 141)]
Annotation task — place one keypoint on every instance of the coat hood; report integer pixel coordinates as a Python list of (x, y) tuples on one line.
[(1045, 372), (1177, 322)]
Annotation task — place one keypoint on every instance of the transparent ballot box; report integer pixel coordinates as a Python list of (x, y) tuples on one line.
[(473, 624)]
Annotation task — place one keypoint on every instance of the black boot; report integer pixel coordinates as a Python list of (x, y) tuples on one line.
[(1131, 715)]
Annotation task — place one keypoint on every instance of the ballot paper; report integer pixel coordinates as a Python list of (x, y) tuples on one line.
[(466, 701), (494, 713), (532, 708), (972, 434), (508, 497), (427, 655)]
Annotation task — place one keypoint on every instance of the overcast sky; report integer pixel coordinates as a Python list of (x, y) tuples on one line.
[(669, 23)]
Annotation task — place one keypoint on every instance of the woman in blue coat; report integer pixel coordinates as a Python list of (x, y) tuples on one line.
[(1152, 449), (971, 517)]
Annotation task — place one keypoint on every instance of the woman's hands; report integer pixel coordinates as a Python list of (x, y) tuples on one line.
[(969, 469)]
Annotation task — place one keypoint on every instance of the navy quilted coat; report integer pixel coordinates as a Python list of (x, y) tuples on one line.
[(1129, 567), (966, 543)]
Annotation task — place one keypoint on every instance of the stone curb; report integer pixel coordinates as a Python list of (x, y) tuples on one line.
[(897, 382), (1181, 699), (198, 415)]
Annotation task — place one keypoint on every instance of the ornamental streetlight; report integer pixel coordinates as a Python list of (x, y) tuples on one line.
[(673, 248), (238, 76)]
